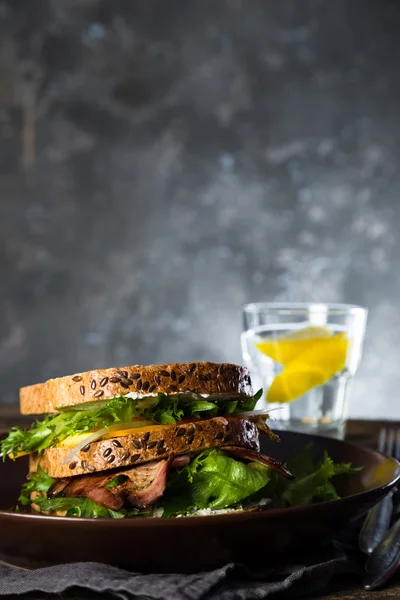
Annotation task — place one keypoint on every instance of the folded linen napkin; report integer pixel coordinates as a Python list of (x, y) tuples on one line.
[(303, 577)]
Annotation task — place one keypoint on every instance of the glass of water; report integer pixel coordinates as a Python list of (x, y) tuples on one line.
[(304, 356)]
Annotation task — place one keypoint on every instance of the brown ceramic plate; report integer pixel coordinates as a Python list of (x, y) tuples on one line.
[(192, 544)]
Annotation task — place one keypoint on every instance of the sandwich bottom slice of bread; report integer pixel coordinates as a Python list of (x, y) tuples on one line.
[(147, 444)]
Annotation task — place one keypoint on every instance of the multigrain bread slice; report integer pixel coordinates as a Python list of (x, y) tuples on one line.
[(146, 444), (92, 386)]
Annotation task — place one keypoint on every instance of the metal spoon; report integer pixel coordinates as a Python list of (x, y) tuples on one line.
[(384, 560), (376, 525)]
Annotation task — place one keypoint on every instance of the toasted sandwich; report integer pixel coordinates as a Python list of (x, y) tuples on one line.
[(160, 440)]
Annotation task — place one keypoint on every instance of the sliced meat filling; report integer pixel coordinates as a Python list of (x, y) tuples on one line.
[(251, 455), (92, 487), (144, 485)]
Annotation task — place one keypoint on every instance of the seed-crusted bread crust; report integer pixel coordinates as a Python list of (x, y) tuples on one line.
[(148, 444), (92, 386)]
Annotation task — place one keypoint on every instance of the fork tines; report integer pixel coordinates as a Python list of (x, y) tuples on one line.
[(389, 441)]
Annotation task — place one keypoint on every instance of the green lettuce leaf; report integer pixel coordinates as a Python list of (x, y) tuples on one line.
[(118, 479), (196, 409), (213, 480), (78, 507), (303, 463), (326, 492), (303, 490), (89, 417), (83, 507), (38, 482), (313, 480), (220, 481)]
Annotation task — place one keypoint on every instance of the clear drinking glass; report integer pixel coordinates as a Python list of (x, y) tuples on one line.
[(304, 356)]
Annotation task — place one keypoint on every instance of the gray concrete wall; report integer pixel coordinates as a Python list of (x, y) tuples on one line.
[(162, 163)]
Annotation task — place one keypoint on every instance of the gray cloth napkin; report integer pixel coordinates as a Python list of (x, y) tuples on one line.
[(231, 582)]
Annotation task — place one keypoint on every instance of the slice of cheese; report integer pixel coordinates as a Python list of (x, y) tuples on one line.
[(74, 440)]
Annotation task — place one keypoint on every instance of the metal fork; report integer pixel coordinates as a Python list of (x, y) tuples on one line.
[(375, 539)]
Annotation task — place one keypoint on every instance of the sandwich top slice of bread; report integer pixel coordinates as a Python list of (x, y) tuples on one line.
[(202, 378)]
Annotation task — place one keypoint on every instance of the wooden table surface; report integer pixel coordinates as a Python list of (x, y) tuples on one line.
[(342, 588)]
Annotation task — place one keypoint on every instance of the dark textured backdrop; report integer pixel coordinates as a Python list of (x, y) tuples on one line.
[(162, 162)]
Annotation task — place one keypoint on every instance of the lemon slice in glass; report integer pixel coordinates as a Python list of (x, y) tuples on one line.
[(315, 366), (291, 384), (287, 347)]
